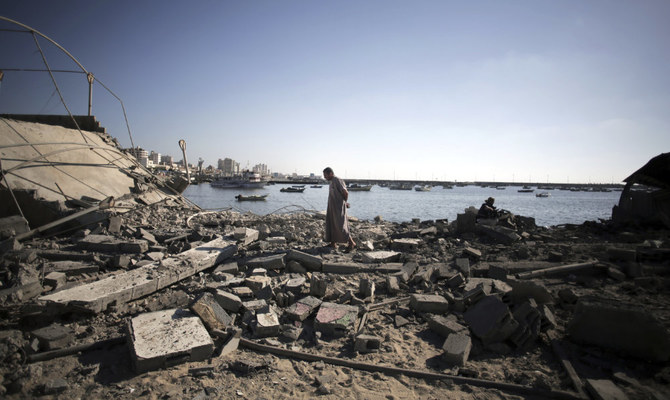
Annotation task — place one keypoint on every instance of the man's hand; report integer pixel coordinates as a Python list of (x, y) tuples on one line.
[(348, 205)]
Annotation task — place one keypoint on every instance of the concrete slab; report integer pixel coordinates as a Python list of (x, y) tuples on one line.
[(445, 326), (245, 235), (211, 312), (335, 319), (110, 244), (604, 389), (367, 343), (303, 308), (164, 338), (406, 244), (228, 301), (54, 336), (342, 268), (457, 348), (490, 320), (267, 324), (269, 262), (96, 296)]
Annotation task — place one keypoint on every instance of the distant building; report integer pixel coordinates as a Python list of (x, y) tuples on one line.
[(167, 160), (229, 167), (155, 157), (261, 169), (138, 152)]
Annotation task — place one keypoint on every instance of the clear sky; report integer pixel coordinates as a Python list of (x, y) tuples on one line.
[(558, 91)]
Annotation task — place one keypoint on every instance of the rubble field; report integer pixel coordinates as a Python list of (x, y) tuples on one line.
[(172, 302)]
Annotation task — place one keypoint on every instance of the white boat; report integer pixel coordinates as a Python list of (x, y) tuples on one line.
[(543, 194), (423, 188), (355, 187), (247, 180)]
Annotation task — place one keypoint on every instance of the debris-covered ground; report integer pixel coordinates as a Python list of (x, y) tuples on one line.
[(427, 309)]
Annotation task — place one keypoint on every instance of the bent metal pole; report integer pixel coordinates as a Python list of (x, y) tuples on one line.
[(182, 145), (88, 74)]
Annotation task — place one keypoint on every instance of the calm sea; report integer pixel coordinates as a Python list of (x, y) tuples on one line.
[(560, 207)]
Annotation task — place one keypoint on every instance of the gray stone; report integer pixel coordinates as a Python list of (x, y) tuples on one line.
[(457, 348), (55, 386), (267, 324), (490, 320), (342, 268), (257, 282), (164, 338), (254, 305), (465, 223), (12, 226), (366, 289), (55, 279), (392, 286), (406, 244), (496, 272), (381, 256), (245, 236), (335, 319), (429, 303), (621, 327), (472, 252), (463, 265), (295, 285), (318, 285), (110, 244)]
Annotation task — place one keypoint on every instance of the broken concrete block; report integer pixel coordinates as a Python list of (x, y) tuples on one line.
[(465, 223), (429, 303), (310, 262), (605, 389), (228, 301), (303, 308), (455, 281), (267, 324), (490, 320), (335, 319), (55, 386), (406, 244), (555, 256), (273, 262), (499, 233), (254, 305), (245, 235), (568, 296), (463, 265), (10, 244), (457, 348), (295, 267), (277, 240), (143, 234), (525, 289), (55, 279), (616, 274), (621, 327), (72, 268), (114, 225), (110, 244), (295, 285), (342, 268), (164, 338), (211, 312), (120, 261), (227, 268), (318, 285), (617, 254), (242, 292), (257, 282), (445, 326), (367, 343), (498, 273), (392, 286), (381, 256), (472, 252), (366, 289), (54, 336)]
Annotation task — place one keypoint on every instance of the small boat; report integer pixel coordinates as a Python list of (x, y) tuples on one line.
[(247, 180), (543, 194), (255, 197), (316, 186), (526, 189), (292, 189), (447, 187), (401, 187), (355, 187), (501, 187), (423, 188)]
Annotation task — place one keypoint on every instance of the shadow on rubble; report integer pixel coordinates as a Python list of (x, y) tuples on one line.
[(113, 364)]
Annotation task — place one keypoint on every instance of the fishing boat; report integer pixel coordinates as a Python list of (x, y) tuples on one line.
[(355, 187), (501, 187), (292, 189), (423, 188), (526, 189), (254, 197), (401, 186), (247, 180), (316, 186), (543, 194)]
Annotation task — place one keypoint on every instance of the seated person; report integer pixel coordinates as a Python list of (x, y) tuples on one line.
[(487, 210)]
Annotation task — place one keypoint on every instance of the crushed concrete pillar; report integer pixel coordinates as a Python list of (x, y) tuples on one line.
[(621, 327), (303, 308), (211, 312), (335, 319), (457, 348), (367, 343), (164, 338), (429, 303)]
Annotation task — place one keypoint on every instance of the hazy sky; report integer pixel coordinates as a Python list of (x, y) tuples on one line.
[(555, 91)]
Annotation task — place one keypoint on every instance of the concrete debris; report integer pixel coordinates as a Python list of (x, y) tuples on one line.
[(457, 348), (334, 319), (211, 312)]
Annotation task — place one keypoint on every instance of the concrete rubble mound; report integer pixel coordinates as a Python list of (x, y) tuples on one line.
[(159, 299)]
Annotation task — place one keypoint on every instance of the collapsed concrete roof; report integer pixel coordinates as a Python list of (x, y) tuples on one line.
[(50, 169), (656, 172)]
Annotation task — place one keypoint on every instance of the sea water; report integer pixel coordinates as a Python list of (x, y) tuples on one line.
[(561, 207)]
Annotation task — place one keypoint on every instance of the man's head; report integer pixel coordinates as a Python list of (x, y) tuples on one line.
[(490, 201), (328, 173)]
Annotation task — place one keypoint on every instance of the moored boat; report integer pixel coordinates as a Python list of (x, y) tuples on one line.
[(423, 188), (355, 187), (543, 194), (247, 180), (255, 197), (292, 189)]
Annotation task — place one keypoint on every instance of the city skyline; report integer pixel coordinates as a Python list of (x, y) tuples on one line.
[(433, 90)]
